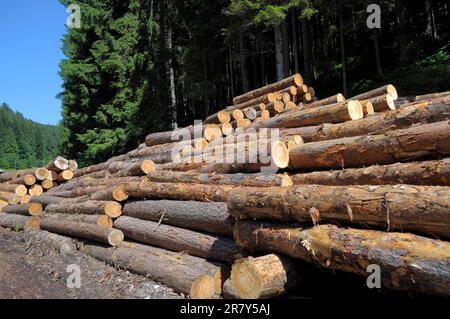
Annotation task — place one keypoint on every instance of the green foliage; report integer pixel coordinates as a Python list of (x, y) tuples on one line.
[(25, 143)]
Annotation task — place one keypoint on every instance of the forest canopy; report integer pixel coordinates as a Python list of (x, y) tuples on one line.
[(140, 66), (25, 143)]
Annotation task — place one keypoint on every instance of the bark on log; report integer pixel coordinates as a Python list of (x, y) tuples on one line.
[(380, 103), (31, 209), (111, 209), (391, 147), (264, 277), (239, 179), (65, 176), (295, 80), (123, 169), (431, 173), (208, 217), (64, 245), (95, 233), (187, 133), (19, 222), (73, 165), (46, 200), (178, 191), (3, 204), (89, 182), (200, 279), (417, 209), (19, 190), (99, 220), (198, 244), (228, 291), (432, 96), (27, 180), (335, 113), (351, 250), (91, 169), (387, 89)]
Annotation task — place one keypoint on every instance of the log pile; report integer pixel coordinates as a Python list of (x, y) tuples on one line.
[(235, 206)]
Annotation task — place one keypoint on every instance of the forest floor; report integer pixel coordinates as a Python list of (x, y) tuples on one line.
[(31, 268)]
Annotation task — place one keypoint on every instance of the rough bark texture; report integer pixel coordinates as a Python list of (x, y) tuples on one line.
[(263, 277), (111, 209), (419, 209), (198, 278), (391, 147), (19, 190), (194, 243), (387, 89), (326, 101), (208, 217), (431, 173), (30, 209), (19, 222), (91, 169), (46, 200), (100, 220), (95, 233), (407, 262)]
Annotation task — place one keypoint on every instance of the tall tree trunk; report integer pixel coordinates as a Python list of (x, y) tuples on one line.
[(402, 34), (286, 54), (431, 24), (279, 51), (171, 74), (377, 53), (295, 41), (205, 81), (243, 60), (307, 51), (448, 18), (231, 72), (343, 57), (262, 59)]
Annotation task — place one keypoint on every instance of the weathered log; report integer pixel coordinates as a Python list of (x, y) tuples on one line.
[(41, 173), (123, 169), (27, 180), (198, 244), (65, 176), (91, 169), (335, 113), (3, 204), (431, 173), (64, 245), (110, 209), (19, 222), (264, 277), (198, 278), (73, 165), (11, 198), (408, 262), (380, 103), (387, 89), (390, 147), (182, 134), (239, 179), (92, 232), (46, 200), (178, 191), (228, 291), (35, 190), (431, 96), (19, 190), (79, 192), (31, 209), (419, 209), (99, 220), (208, 217), (295, 80), (89, 182), (58, 164)]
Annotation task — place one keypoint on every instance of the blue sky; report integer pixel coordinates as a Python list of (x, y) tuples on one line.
[(30, 52)]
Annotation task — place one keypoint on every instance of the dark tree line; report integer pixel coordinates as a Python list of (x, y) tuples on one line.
[(139, 66)]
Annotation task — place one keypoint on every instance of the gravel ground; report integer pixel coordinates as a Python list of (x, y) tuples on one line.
[(31, 268)]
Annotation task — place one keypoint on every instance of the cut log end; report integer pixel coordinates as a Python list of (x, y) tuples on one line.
[(227, 129), (29, 180), (47, 184), (355, 110), (391, 101), (246, 280), (105, 221), (238, 115), (369, 110), (340, 98), (203, 288), (65, 176), (35, 190), (278, 106), (113, 210), (224, 117), (202, 143), (25, 199), (265, 115), (392, 91), (35, 209), (280, 154), (34, 223), (287, 181), (3, 204), (115, 237), (148, 166), (212, 132), (298, 80), (21, 190), (119, 194), (41, 173)]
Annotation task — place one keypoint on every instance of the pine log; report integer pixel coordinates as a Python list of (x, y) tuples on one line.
[(78, 192), (47, 184), (52, 176), (27, 180), (391, 147), (335, 113), (19, 190), (431, 173), (91, 169), (187, 133), (46, 200), (408, 262), (31, 209), (200, 279), (25, 199), (58, 164), (11, 198), (417, 209), (123, 169), (380, 103), (111, 209), (7, 176), (198, 244), (431, 96), (89, 182), (295, 80), (387, 89), (35, 190), (208, 217), (3, 204), (65, 176), (19, 222), (264, 277), (178, 191), (92, 232), (99, 220), (64, 245), (73, 165)]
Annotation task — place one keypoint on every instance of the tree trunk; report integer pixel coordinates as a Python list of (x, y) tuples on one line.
[(208, 217), (286, 54), (95, 233), (388, 148), (243, 60), (387, 89), (46, 200), (342, 45), (264, 277), (31, 209), (420, 209), (99, 220), (431, 173), (58, 164), (178, 191), (335, 113), (338, 98), (352, 250), (262, 60), (230, 52), (171, 75), (91, 169), (19, 222), (402, 34), (377, 53), (198, 278), (142, 167), (307, 51), (431, 24), (64, 245), (111, 209), (27, 180), (198, 244), (295, 41), (279, 57)]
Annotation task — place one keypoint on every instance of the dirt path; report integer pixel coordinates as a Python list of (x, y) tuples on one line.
[(31, 268)]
